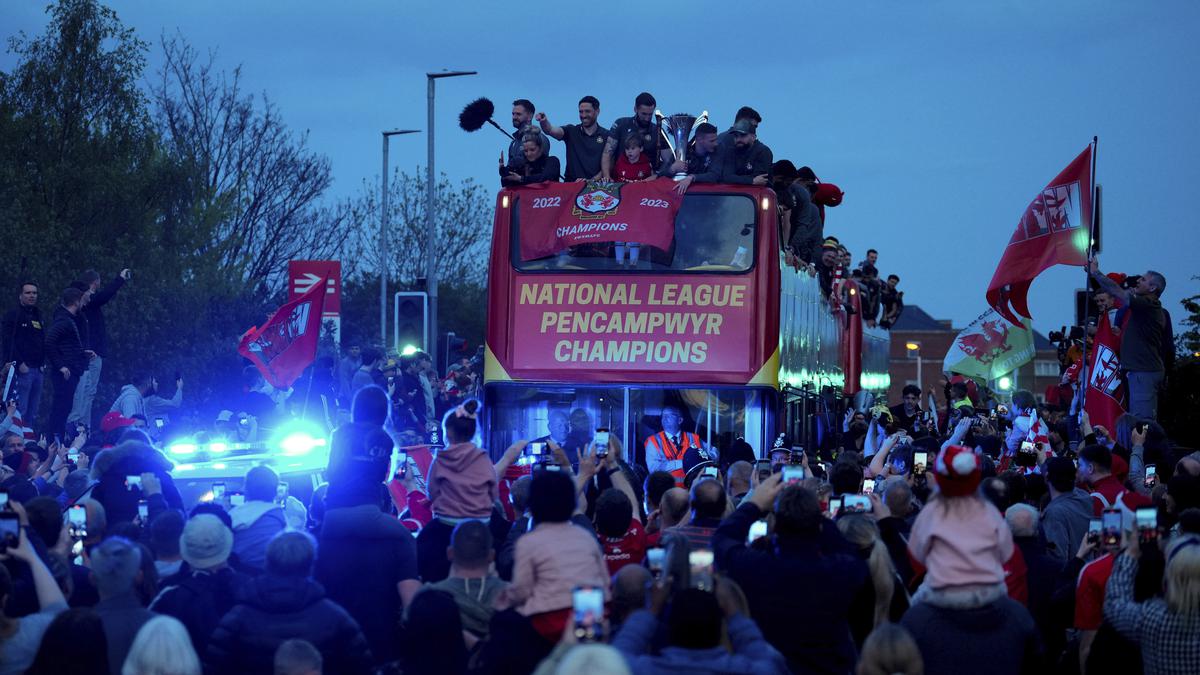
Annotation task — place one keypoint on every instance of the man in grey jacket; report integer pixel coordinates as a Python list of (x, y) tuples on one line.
[(1065, 520), (132, 399)]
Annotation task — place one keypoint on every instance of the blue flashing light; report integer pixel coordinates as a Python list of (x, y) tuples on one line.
[(182, 449), (218, 448), (299, 438), (408, 350)]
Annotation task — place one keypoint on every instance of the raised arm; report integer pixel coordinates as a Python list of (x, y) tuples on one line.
[(1108, 285), (550, 130)]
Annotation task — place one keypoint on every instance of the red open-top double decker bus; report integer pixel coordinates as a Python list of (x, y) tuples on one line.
[(715, 324)]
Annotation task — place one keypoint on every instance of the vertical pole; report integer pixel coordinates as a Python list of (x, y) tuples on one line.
[(383, 249), (431, 279), (1084, 375)]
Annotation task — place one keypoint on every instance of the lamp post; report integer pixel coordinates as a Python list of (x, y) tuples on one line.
[(914, 351), (431, 279), (383, 241)]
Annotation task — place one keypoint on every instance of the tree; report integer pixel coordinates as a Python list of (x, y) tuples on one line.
[(1188, 342)]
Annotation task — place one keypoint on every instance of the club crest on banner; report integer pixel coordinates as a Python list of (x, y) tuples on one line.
[(597, 200), (990, 342), (281, 335), (1056, 209), (1106, 373)]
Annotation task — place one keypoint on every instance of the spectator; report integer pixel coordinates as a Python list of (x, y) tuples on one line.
[(433, 636), (164, 530), (23, 342), (1142, 337), (536, 165), (162, 647), (805, 229), (1095, 472), (159, 408), (66, 357), (298, 657), (365, 375), (74, 644), (882, 600), (367, 561), (1065, 519), (208, 588), (629, 587), (1042, 574), (1165, 628), (257, 520), (349, 364), (633, 165), (694, 635), (463, 485), (471, 583), (584, 141), (738, 480), (282, 604), (522, 120), (807, 623), (620, 533), (132, 399), (554, 557), (592, 659), (640, 124), (908, 414), (707, 503), (116, 570), (518, 494), (20, 636), (892, 301), (890, 650), (116, 472), (95, 338)]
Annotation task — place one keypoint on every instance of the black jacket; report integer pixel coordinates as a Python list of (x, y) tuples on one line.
[(23, 336), (199, 599), (64, 344), (545, 168), (272, 610), (110, 469), (97, 338)]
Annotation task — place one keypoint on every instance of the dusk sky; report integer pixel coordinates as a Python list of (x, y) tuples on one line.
[(940, 120)]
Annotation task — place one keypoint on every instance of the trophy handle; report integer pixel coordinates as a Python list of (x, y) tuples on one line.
[(664, 127)]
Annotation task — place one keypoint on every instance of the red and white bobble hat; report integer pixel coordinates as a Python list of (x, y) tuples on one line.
[(957, 471)]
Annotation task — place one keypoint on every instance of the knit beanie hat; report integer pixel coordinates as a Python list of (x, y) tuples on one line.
[(205, 542), (957, 471)]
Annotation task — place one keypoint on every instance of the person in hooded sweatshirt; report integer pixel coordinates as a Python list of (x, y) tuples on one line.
[(462, 484), (257, 520)]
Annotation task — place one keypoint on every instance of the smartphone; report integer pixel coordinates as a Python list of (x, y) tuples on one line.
[(218, 490), (77, 521), (601, 440), (535, 448), (402, 465), (237, 499), (1110, 527), (588, 605), (3, 499), (281, 493), (709, 472), (654, 560), (10, 529), (132, 481), (159, 423), (792, 474), (1151, 478), (763, 466), (835, 506), (758, 530), (855, 504), (1147, 523), (868, 486), (919, 462), (1028, 446), (143, 510), (73, 456), (1095, 526), (700, 563)]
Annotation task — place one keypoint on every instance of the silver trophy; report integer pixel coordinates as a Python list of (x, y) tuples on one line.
[(676, 130)]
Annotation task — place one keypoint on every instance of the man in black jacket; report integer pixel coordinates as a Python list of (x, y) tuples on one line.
[(65, 354), (95, 339), (24, 340)]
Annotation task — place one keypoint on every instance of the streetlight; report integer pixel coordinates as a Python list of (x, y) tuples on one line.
[(914, 351), (431, 280), (383, 242)]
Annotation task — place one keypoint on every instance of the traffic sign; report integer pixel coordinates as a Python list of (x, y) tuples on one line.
[(302, 274)]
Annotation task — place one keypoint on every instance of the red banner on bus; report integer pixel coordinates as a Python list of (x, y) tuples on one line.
[(557, 215)]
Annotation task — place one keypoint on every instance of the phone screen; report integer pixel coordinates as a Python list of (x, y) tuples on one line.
[(535, 448), (855, 504), (588, 605), (868, 486), (700, 563), (1151, 470), (601, 440), (763, 467), (792, 474), (10, 528), (158, 422), (1111, 527), (654, 559), (401, 464), (1146, 518), (919, 461), (143, 510), (281, 493), (237, 499), (132, 482), (758, 530), (3, 499), (835, 506), (710, 471), (218, 490)]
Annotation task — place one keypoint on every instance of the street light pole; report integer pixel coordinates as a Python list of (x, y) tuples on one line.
[(915, 348), (383, 241), (431, 279)]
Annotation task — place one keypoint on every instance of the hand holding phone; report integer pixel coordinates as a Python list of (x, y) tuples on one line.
[(587, 603), (1111, 528)]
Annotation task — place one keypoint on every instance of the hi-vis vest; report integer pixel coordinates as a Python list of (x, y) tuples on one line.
[(661, 442)]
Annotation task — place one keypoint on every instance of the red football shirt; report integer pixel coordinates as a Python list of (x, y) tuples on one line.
[(626, 172), (1089, 593), (628, 549)]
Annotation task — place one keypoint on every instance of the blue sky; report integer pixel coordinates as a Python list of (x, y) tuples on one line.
[(940, 120)]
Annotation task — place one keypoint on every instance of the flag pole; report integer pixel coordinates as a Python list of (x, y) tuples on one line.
[(1085, 375)]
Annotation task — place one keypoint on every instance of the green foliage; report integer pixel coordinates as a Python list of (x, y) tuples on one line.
[(1188, 342)]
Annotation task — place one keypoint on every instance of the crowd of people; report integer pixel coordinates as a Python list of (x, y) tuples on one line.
[(936, 536)]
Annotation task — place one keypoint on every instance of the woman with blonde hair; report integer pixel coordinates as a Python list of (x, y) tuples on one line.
[(162, 647), (1168, 628), (890, 650), (882, 599)]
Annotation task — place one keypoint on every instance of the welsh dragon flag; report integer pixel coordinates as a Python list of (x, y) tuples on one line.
[(990, 347), (1054, 230)]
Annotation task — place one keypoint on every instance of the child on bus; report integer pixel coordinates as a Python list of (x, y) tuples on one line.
[(633, 165)]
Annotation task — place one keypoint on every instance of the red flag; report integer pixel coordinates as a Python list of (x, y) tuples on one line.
[(287, 343), (1105, 400), (1054, 230)]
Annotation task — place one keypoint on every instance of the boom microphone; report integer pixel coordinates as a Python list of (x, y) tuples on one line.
[(477, 113)]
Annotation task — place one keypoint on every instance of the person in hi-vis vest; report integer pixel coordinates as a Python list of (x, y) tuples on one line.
[(666, 449)]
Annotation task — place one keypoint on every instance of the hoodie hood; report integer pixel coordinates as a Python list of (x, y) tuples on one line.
[(459, 457), (280, 595), (250, 512)]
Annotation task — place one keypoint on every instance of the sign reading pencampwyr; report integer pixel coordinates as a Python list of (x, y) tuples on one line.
[(554, 216)]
